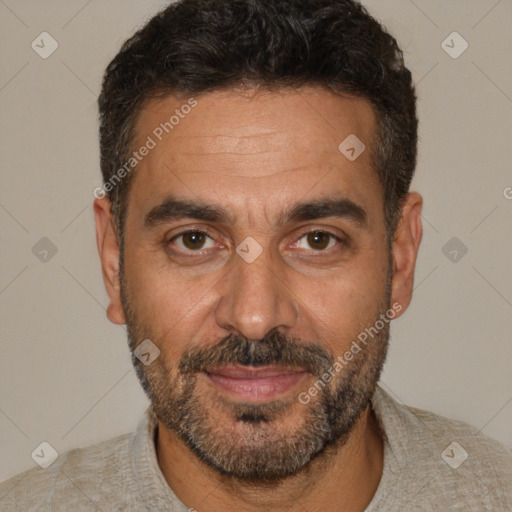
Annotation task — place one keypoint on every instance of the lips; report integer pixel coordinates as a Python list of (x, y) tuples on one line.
[(255, 384)]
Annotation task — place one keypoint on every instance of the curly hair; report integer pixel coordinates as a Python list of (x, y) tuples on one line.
[(198, 46)]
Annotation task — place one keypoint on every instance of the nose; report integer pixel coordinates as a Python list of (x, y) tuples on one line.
[(255, 299)]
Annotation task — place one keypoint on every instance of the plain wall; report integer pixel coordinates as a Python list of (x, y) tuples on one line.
[(65, 371)]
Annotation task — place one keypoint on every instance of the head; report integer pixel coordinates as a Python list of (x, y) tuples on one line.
[(240, 232)]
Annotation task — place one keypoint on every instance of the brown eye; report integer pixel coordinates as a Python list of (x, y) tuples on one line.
[(193, 241), (319, 240)]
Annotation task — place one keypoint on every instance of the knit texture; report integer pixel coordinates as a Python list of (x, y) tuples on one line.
[(122, 474)]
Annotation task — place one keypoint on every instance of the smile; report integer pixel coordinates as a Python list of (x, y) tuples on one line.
[(255, 384)]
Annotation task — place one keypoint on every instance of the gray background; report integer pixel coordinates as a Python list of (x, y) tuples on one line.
[(66, 375)]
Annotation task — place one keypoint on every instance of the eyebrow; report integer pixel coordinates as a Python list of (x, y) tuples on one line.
[(173, 209), (327, 207)]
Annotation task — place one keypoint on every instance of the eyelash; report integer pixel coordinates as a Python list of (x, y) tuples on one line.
[(192, 253)]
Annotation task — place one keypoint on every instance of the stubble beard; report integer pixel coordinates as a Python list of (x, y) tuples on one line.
[(253, 445)]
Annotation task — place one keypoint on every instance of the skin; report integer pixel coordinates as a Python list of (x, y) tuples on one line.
[(255, 153)]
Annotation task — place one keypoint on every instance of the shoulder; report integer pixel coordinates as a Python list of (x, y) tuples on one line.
[(80, 477), (459, 441), (451, 461)]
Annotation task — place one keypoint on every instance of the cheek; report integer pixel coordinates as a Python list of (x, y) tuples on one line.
[(169, 306), (342, 305)]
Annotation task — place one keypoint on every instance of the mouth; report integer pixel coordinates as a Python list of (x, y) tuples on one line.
[(255, 384)]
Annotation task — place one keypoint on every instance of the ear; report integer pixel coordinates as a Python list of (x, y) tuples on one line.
[(406, 242), (108, 249)]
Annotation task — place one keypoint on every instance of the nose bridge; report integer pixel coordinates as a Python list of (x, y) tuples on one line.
[(253, 300)]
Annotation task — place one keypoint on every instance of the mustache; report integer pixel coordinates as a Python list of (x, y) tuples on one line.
[(274, 349)]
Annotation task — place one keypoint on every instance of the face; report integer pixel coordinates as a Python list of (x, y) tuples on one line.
[(255, 254)]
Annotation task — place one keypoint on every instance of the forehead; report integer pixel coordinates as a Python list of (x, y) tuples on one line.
[(259, 147)]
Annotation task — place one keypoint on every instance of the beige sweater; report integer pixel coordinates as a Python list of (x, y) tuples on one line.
[(424, 470)]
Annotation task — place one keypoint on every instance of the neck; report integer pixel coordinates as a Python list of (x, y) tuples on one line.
[(341, 478)]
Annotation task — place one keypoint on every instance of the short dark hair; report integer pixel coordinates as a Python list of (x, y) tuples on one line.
[(198, 46)]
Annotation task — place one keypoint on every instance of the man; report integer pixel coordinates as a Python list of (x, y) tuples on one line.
[(257, 236)]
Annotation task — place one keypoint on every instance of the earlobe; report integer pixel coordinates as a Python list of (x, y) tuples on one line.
[(407, 239), (108, 248)]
